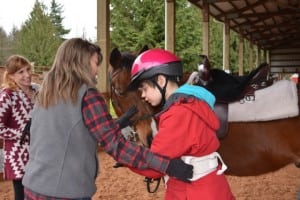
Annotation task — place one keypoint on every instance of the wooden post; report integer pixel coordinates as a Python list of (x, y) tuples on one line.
[(241, 55), (226, 43), (258, 58), (170, 15), (103, 38), (205, 13), (265, 55), (251, 67)]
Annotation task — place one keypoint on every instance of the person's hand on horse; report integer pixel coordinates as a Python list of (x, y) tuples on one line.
[(124, 120), (180, 170)]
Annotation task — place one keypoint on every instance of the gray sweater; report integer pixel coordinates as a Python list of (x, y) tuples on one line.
[(62, 154)]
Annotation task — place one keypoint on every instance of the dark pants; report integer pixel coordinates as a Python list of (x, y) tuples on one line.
[(18, 189)]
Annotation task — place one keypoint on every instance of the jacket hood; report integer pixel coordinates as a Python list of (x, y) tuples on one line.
[(189, 96), (198, 92)]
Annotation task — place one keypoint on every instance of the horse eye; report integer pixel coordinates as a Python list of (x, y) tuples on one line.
[(119, 92), (116, 91)]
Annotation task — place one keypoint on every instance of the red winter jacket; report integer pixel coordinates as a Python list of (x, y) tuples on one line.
[(188, 127)]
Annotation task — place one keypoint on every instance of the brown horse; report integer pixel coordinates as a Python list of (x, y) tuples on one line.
[(122, 100), (249, 148)]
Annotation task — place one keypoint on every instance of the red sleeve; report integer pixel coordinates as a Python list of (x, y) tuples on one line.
[(147, 173)]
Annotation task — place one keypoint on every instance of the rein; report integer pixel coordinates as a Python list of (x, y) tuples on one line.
[(149, 181)]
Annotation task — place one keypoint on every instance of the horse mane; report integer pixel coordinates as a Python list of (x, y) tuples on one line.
[(127, 60)]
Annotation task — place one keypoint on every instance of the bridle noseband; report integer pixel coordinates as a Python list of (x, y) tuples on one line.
[(115, 96)]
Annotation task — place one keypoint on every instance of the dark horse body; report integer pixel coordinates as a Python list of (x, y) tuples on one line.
[(249, 148)]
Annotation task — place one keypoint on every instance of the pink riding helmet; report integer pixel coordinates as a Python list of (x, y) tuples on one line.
[(153, 62)]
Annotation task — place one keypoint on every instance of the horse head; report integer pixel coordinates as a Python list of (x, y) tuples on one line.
[(122, 99)]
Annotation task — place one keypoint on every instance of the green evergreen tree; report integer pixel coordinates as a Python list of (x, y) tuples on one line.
[(188, 40), (216, 44), (38, 39), (3, 45), (7, 44), (136, 23), (56, 18)]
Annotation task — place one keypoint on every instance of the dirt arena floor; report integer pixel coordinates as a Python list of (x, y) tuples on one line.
[(122, 184)]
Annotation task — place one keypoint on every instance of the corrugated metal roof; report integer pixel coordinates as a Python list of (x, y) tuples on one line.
[(269, 24)]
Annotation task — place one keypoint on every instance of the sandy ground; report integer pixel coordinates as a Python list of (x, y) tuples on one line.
[(122, 184)]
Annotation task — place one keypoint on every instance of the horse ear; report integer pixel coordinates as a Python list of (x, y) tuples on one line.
[(145, 48), (205, 61), (115, 57)]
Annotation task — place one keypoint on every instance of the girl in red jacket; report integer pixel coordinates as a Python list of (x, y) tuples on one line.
[(187, 127)]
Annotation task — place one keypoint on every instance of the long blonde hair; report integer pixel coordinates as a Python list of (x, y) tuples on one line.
[(13, 64), (70, 70)]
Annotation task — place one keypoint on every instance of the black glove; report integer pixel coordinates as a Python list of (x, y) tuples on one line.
[(180, 170), (124, 120)]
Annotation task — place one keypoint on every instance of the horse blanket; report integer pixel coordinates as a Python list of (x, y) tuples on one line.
[(278, 101)]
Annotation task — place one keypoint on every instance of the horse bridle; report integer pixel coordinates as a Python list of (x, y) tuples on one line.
[(118, 94), (114, 91)]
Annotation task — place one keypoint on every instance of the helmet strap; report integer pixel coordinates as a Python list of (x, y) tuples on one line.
[(162, 90)]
